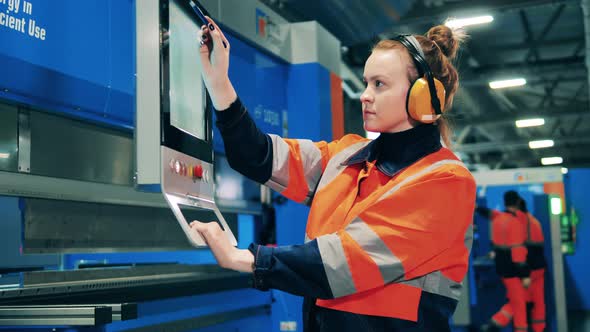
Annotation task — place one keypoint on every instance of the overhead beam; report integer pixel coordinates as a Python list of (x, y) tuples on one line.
[(422, 14), (514, 145), (512, 47), (531, 92), (544, 66), (530, 79), (530, 39), (547, 113), (516, 159), (546, 29), (549, 92)]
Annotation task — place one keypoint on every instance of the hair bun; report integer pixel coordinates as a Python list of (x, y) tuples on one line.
[(446, 39)]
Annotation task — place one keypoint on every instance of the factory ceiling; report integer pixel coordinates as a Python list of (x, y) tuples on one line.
[(543, 41)]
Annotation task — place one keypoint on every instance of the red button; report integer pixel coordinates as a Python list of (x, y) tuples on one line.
[(198, 171)]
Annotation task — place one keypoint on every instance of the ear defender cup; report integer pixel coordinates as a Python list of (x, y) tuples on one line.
[(419, 102), (421, 105)]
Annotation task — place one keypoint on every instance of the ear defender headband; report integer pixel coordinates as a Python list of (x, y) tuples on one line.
[(424, 96)]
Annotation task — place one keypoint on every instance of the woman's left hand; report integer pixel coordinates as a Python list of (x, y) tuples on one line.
[(227, 256)]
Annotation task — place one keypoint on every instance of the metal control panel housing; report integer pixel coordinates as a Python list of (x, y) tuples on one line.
[(188, 182), (173, 133)]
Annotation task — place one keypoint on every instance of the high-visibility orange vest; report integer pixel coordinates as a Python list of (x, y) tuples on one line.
[(534, 230), (508, 232), (508, 239), (535, 243), (383, 240)]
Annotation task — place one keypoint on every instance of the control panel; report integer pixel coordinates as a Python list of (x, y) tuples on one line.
[(185, 175)]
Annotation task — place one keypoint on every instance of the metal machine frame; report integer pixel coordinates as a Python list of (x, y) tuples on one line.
[(179, 163)]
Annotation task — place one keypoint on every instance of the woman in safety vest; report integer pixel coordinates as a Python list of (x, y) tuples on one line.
[(390, 226)]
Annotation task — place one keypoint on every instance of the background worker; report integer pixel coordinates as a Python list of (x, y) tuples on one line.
[(535, 244), (510, 255)]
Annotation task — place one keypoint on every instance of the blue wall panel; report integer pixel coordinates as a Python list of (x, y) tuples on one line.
[(85, 65), (577, 270), (309, 100), (310, 117), (261, 83)]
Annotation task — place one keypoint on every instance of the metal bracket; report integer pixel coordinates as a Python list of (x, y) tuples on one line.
[(24, 141)]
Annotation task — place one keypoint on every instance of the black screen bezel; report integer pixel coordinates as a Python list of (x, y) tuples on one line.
[(171, 136)]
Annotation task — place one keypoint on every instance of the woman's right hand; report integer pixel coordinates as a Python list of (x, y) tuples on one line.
[(215, 64)]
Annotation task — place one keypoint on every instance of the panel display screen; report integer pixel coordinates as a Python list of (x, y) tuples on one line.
[(185, 112), (187, 95)]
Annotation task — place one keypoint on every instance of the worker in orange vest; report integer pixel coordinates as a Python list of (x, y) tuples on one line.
[(536, 260), (510, 255), (390, 223), (535, 293)]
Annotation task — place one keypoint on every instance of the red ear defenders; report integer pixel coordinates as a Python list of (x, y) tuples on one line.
[(424, 96)]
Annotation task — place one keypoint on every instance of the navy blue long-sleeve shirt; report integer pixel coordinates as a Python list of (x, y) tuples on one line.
[(299, 269)]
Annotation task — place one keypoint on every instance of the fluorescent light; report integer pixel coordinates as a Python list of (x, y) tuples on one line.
[(463, 22), (547, 143), (564, 170), (555, 205), (507, 83), (530, 122), (372, 135), (4, 155), (551, 160)]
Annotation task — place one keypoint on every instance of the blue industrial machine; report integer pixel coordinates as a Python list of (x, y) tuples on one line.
[(105, 133), (535, 186), (173, 126)]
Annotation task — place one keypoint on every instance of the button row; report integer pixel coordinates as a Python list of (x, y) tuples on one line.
[(192, 171)]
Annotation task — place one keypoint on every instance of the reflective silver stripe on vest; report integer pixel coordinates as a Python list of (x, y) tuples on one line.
[(307, 239), (280, 165), (335, 167), (436, 283), (336, 265), (332, 251), (389, 265), (311, 158), (468, 240), (421, 173), (506, 314)]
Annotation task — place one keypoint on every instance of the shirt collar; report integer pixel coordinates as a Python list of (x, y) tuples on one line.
[(396, 151)]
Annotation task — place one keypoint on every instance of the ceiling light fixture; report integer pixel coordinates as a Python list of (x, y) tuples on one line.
[(546, 143), (551, 160), (530, 122), (463, 22), (507, 83)]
